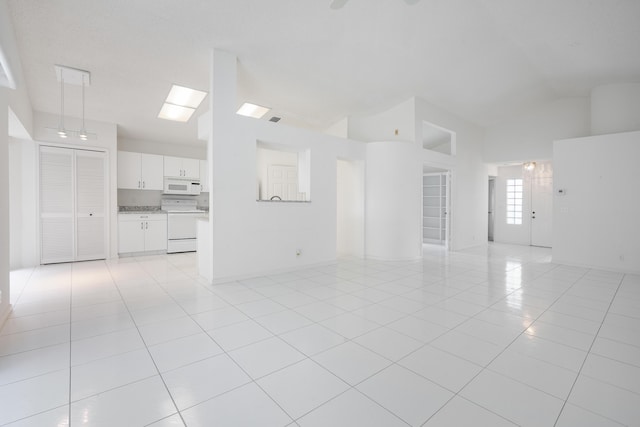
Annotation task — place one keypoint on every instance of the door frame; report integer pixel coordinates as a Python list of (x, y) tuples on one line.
[(448, 172), (491, 212)]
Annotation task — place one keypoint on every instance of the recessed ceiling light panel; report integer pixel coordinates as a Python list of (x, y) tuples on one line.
[(252, 110), (184, 96), (177, 113)]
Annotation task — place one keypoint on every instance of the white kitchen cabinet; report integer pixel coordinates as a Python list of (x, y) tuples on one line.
[(181, 167), (204, 175), (152, 172), (155, 234), (140, 171), (142, 232), (130, 234)]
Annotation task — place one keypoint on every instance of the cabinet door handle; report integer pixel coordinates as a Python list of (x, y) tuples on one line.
[(142, 226), (146, 226), (138, 184), (142, 184)]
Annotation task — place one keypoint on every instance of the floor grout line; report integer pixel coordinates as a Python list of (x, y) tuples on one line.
[(587, 354), (379, 274)]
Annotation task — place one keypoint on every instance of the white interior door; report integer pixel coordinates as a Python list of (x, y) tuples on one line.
[(56, 205), (282, 181), (90, 205), (542, 211)]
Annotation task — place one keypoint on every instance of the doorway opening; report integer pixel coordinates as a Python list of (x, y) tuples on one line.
[(350, 208), (492, 207), (521, 204), (435, 206)]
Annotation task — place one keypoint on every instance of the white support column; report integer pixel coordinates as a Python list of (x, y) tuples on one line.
[(393, 201), (222, 106), (5, 307)]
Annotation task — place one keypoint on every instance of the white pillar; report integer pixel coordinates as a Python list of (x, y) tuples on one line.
[(222, 107), (393, 201), (5, 307)]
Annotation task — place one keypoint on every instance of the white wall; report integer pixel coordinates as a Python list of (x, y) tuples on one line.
[(106, 140), (468, 214), (393, 201), (23, 207), (162, 148), (250, 237), (596, 222), (339, 129), (382, 126), (4, 206), (615, 108), (530, 136), (469, 189), (350, 206), (18, 97)]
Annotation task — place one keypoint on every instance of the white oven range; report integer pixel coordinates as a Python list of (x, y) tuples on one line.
[(182, 216)]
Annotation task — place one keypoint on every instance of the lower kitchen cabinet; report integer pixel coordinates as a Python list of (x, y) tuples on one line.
[(142, 233)]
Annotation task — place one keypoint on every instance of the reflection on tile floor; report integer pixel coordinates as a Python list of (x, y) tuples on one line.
[(492, 336)]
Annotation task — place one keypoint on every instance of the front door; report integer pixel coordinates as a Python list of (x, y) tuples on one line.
[(541, 211)]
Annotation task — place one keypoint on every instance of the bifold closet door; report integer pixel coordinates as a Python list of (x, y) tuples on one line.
[(90, 205), (56, 205), (72, 205)]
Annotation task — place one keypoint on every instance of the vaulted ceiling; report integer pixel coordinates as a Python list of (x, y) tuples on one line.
[(484, 60)]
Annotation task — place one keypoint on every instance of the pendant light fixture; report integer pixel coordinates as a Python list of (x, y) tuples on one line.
[(62, 133), (83, 130), (66, 76)]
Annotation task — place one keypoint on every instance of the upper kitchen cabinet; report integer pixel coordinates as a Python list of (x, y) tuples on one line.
[(140, 171), (204, 176), (181, 167)]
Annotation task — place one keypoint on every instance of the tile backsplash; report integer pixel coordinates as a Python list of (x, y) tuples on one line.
[(152, 198)]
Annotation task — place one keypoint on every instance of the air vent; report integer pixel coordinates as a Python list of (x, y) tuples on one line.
[(275, 119)]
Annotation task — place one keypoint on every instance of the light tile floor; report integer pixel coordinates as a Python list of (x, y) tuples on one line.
[(495, 336)]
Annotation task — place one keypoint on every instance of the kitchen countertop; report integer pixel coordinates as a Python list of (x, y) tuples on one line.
[(140, 210), (137, 210)]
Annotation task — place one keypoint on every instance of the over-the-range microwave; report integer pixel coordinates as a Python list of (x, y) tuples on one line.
[(182, 186)]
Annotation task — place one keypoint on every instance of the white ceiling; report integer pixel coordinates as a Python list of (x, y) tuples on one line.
[(484, 60)]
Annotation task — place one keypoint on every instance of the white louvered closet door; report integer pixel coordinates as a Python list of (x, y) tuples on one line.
[(56, 205), (72, 205), (90, 205)]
